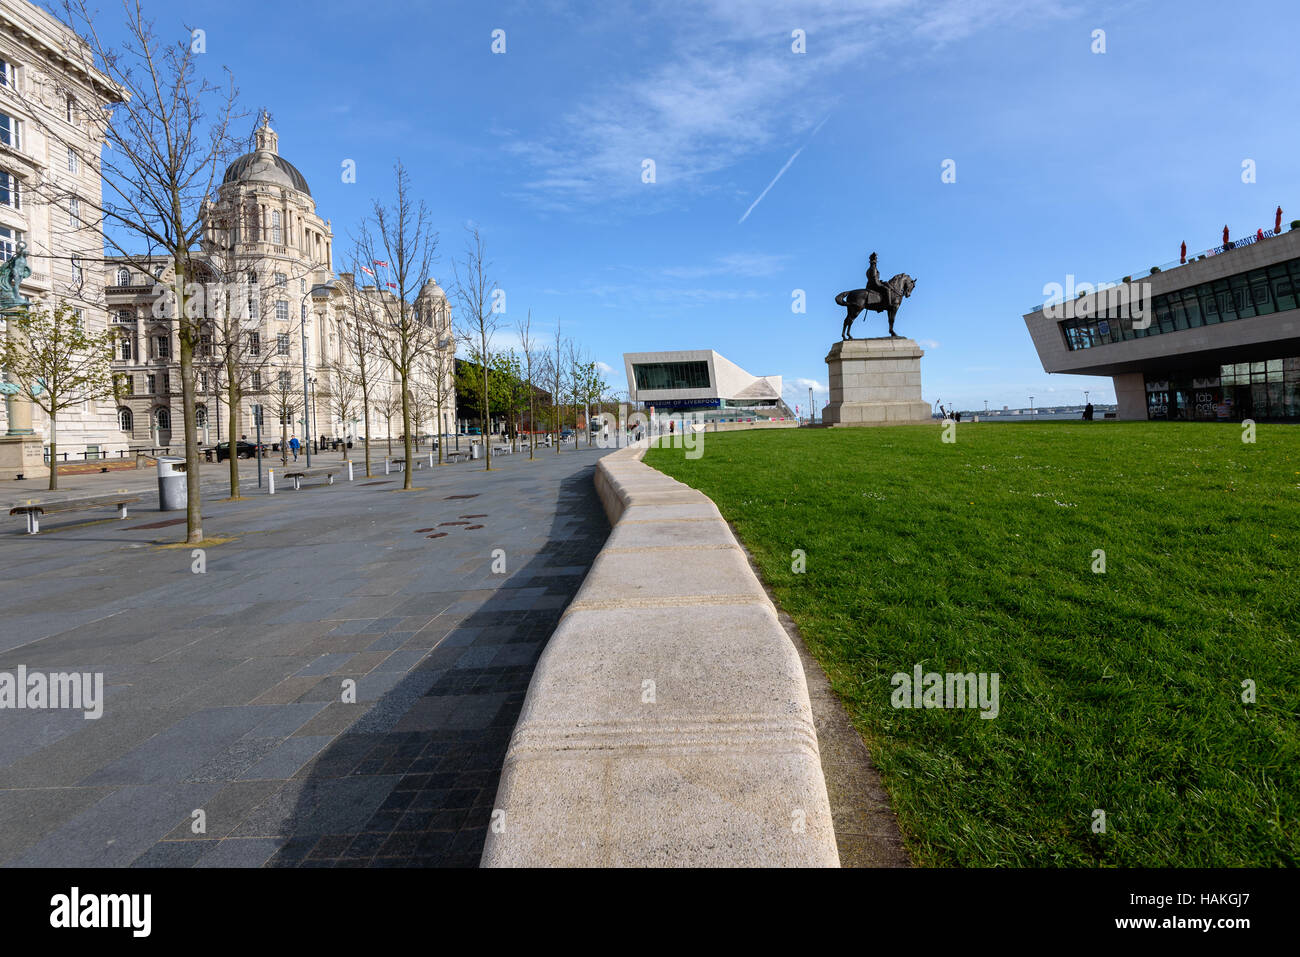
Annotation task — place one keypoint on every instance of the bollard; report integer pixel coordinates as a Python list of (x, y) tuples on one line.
[(385, 465), (270, 475), (430, 460), (349, 471)]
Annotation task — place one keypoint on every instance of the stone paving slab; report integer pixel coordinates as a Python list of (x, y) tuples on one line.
[(224, 691)]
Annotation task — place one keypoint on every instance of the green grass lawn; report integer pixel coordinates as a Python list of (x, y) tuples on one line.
[(1119, 692)]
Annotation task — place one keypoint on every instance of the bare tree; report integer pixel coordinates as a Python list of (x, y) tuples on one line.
[(168, 142), (438, 368), (342, 396), (558, 379), (388, 402), (284, 395), (401, 240), (356, 331), (528, 349), (475, 291)]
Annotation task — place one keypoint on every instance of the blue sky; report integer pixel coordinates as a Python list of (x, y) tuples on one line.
[(1067, 161)]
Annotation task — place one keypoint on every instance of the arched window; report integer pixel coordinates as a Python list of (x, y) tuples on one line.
[(276, 232), (123, 276), (125, 420), (201, 417), (126, 350), (164, 419)]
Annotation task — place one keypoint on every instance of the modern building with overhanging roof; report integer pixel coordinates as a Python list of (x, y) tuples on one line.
[(700, 380), (1218, 339)]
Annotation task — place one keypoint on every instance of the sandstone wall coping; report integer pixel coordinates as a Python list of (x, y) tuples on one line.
[(668, 721)]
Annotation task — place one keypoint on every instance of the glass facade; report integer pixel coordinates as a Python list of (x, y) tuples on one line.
[(671, 375), (1259, 292), (1269, 389)]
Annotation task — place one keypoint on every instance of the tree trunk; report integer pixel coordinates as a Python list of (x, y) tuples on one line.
[(365, 415), (193, 504), (409, 465), (54, 450), (487, 446), (232, 401)]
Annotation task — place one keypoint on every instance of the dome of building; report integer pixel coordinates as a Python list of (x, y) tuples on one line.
[(265, 164), (260, 168)]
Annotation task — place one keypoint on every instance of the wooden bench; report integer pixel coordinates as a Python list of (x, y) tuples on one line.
[(35, 510), (298, 476)]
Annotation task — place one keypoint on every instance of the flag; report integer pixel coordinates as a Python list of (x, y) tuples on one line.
[(392, 285), (368, 272), (380, 262)]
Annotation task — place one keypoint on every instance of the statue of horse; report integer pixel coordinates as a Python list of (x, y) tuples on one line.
[(856, 300)]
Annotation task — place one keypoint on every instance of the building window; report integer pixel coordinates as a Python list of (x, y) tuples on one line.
[(74, 212), (205, 348), (203, 382), (282, 343), (275, 226), (74, 161), (303, 312), (151, 383), (125, 315), (71, 105), (164, 419), (7, 77), (281, 279), (286, 382), (123, 276), (76, 270), (167, 384), (671, 375), (126, 350), (128, 384), (9, 190), (79, 319), (282, 310), (9, 240), (11, 129), (201, 417), (125, 420), (163, 348), (254, 344), (256, 381)]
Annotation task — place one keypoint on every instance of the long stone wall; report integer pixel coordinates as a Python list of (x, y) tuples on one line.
[(668, 721)]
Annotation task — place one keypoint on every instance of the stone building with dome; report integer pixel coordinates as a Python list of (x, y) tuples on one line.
[(270, 293)]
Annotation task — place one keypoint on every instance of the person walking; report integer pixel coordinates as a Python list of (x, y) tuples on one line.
[(294, 446)]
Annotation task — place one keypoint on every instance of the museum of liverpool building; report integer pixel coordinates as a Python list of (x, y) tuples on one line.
[(1216, 338), (702, 381)]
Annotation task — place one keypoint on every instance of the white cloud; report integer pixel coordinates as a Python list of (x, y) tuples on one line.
[(928, 343), (730, 86)]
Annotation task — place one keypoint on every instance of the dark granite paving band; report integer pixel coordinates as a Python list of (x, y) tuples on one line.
[(224, 690)]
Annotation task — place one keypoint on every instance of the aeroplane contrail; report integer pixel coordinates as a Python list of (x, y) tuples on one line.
[(781, 172)]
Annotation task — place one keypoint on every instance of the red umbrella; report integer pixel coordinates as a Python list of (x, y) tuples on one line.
[(1182, 252), (1277, 223), (1225, 235)]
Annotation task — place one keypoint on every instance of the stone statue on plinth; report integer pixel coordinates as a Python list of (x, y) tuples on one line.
[(875, 381), (12, 274), (877, 297)]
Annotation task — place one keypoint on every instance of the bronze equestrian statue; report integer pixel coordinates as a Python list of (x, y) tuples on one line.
[(877, 297)]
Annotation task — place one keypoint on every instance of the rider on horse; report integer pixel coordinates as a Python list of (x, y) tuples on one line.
[(874, 283)]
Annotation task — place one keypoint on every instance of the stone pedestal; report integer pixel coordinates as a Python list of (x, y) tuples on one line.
[(875, 382), (22, 455)]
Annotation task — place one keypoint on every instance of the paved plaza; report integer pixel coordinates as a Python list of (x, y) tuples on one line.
[(225, 690)]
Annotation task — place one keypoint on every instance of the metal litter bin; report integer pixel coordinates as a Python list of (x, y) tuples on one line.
[(171, 483), (474, 449)]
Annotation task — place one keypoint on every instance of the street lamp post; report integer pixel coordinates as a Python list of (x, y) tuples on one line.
[(322, 288)]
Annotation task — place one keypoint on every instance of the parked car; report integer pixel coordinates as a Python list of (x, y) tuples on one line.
[(566, 434), (243, 450)]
